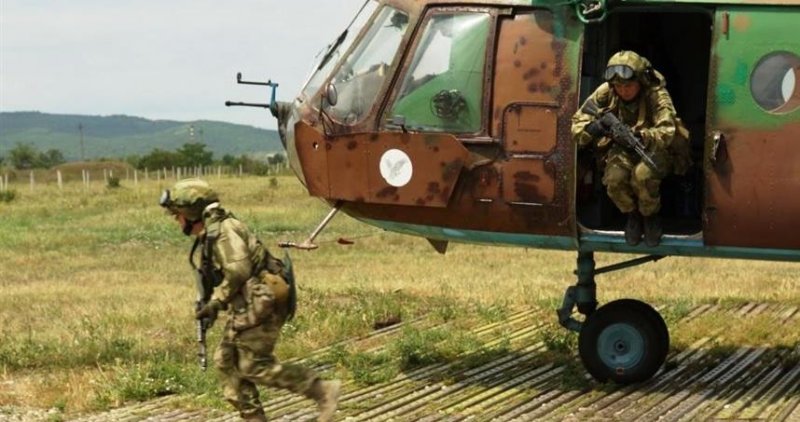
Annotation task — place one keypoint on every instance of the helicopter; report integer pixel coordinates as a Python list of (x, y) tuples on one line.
[(450, 120)]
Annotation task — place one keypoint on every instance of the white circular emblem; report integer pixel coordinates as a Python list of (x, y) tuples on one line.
[(396, 167)]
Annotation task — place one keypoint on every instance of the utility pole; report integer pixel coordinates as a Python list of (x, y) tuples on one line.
[(83, 154)]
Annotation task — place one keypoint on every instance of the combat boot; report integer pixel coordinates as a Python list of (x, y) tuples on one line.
[(326, 394), (257, 416), (633, 228), (652, 230)]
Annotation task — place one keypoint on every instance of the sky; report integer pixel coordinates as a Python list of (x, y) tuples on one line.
[(161, 59)]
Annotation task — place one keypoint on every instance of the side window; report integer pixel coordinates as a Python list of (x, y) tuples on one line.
[(361, 76), (774, 82), (443, 87)]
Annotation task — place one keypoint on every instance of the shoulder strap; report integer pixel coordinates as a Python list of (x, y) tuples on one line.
[(210, 236), (191, 252), (288, 276)]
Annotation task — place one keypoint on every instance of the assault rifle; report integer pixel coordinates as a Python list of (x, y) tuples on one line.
[(206, 279), (619, 132), (203, 324)]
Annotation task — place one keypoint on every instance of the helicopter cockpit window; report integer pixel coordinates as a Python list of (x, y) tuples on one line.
[(443, 88), (361, 76), (330, 56)]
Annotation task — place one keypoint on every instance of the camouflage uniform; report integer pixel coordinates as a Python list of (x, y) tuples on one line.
[(630, 183), (255, 296)]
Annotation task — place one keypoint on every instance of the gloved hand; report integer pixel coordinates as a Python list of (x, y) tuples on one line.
[(595, 128), (209, 311)]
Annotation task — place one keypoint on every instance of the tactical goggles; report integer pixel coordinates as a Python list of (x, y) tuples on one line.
[(165, 200), (621, 71)]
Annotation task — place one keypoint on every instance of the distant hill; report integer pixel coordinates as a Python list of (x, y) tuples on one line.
[(122, 136)]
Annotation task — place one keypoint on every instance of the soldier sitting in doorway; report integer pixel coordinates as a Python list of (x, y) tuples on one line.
[(635, 93)]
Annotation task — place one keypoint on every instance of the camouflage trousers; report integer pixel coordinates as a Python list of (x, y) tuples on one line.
[(245, 359), (631, 184)]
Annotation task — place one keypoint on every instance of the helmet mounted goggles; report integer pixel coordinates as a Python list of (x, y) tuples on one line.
[(620, 71), (165, 200)]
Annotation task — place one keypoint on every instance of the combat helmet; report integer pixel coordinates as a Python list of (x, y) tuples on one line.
[(627, 65), (189, 197)]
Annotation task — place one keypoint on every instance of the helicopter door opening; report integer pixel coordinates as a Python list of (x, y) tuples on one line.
[(677, 41)]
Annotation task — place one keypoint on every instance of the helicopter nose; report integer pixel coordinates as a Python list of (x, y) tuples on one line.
[(282, 111), (288, 115)]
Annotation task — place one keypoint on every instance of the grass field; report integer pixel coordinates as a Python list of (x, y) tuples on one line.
[(97, 297)]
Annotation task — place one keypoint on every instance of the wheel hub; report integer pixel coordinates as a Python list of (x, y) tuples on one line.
[(620, 346)]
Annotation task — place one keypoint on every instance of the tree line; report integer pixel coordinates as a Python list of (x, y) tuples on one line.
[(26, 157)]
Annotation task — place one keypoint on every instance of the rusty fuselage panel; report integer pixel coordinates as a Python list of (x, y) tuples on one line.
[(362, 167), (514, 175), (752, 166)]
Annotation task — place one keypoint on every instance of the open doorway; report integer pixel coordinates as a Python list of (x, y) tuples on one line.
[(676, 40)]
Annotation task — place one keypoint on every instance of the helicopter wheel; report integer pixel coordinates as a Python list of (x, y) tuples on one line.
[(624, 341)]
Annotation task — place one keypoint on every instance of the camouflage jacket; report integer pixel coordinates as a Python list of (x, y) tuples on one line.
[(652, 114), (236, 252)]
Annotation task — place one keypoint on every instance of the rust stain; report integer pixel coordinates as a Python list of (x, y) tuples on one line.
[(741, 22), (528, 82), (526, 177), (387, 192), (451, 169), (538, 87), (530, 73), (443, 196), (526, 186), (431, 140), (748, 185), (433, 188)]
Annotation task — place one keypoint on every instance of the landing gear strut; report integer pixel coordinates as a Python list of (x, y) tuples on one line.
[(624, 341)]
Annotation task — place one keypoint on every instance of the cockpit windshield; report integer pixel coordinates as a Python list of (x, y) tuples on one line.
[(361, 76), (327, 59)]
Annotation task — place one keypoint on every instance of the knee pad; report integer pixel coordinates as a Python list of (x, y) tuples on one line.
[(615, 176)]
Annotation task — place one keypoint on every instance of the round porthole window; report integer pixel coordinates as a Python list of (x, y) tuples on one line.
[(775, 82)]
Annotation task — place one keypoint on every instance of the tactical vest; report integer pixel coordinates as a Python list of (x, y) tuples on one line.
[(679, 148)]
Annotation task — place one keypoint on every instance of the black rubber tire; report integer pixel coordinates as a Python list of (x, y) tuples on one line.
[(656, 319), (633, 337)]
